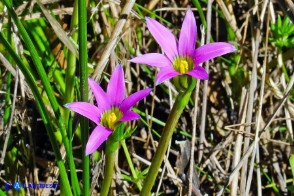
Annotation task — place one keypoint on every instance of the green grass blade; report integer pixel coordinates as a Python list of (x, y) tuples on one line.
[(200, 11), (43, 112), (83, 60), (43, 76), (69, 94)]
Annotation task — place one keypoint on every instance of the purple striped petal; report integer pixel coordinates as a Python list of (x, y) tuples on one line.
[(86, 109), (164, 38), (165, 74), (129, 115), (97, 137), (188, 35), (212, 50), (133, 99), (99, 94), (152, 59), (199, 72), (116, 86)]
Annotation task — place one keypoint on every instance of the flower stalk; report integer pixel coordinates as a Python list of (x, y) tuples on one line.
[(83, 68), (113, 109), (180, 103), (129, 160), (111, 148)]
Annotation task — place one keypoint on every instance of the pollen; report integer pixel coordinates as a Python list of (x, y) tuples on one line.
[(183, 64), (110, 117)]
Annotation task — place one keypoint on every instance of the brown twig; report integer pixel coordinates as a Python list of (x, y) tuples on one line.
[(7, 132), (113, 40)]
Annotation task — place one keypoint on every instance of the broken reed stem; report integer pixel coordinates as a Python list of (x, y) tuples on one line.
[(11, 117), (250, 148), (113, 40), (194, 119)]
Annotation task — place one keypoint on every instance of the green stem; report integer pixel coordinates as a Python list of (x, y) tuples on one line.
[(43, 112), (200, 11), (42, 44), (69, 95), (71, 63), (129, 160), (178, 107), (43, 76), (83, 61), (38, 65), (111, 148), (7, 110), (38, 34), (281, 63)]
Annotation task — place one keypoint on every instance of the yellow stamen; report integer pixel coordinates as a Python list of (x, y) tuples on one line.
[(184, 66), (112, 118)]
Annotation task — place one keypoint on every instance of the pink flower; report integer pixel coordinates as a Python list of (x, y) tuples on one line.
[(112, 108), (180, 57)]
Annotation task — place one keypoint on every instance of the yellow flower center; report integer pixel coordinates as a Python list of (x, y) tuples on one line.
[(110, 117), (183, 64)]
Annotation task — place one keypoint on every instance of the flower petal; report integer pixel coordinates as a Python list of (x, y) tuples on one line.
[(133, 99), (164, 38), (152, 59), (86, 109), (188, 35), (165, 74), (99, 94), (129, 115), (116, 86), (212, 50), (199, 72), (97, 137)]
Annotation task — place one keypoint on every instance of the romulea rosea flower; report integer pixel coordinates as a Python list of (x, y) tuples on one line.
[(112, 108), (180, 57)]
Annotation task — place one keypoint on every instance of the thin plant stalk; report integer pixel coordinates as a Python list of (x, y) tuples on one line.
[(204, 96), (259, 111), (42, 44), (71, 63), (7, 109), (45, 81), (83, 61), (69, 94), (193, 140), (180, 103), (43, 47), (110, 152), (200, 11), (11, 112), (129, 160), (43, 112), (39, 67)]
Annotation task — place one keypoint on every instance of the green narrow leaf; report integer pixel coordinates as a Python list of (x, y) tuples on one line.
[(42, 109), (59, 31), (291, 161), (83, 63)]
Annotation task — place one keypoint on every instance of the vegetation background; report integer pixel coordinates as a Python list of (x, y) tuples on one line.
[(242, 116)]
